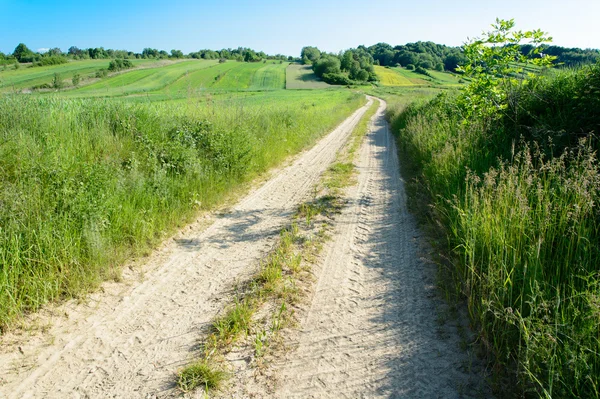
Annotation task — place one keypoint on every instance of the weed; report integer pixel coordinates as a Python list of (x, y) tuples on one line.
[(200, 374), (235, 322)]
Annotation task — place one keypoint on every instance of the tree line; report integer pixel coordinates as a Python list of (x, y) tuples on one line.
[(429, 55), (54, 56)]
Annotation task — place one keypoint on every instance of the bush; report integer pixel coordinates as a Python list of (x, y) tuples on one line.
[(76, 79), (422, 71), (57, 82), (410, 67), (51, 60), (337, 79), (102, 73), (42, 86), (119, 65)]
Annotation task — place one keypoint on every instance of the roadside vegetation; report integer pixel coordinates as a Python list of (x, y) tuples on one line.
[(88, 183), (510, 167)]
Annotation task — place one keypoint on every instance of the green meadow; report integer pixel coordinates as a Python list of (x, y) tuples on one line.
[(25, 78)]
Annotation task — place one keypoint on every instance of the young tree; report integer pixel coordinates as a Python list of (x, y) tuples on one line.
[(311, 53), (57, 82), (21, 52), (493, 61)]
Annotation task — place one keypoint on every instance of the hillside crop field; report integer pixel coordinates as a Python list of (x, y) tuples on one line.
[(398, 77), (26, 78), (391, 77), (141, 81)]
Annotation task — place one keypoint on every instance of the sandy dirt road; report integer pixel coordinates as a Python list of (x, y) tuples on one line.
[(372, 329), (129, 340)]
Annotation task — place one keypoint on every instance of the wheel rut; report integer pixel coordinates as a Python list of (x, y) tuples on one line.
[(372, 328)]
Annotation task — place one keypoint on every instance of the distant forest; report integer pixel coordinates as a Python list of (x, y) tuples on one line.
[(430, 55), (22, 54), (356, 66)]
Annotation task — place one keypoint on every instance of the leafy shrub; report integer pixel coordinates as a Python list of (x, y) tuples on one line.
[(119, 65), (410, 67), (337, 79), (50, 60), (57, 82), (327, 65), (42, 86), (102, 73), (422, 71)]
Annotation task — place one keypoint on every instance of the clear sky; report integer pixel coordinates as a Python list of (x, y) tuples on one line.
[(282, 26)]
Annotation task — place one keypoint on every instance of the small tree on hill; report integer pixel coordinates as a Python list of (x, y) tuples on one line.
[(76, 79), (493, 61), (21, 52)]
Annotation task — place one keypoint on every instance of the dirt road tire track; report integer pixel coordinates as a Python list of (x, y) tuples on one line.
[(372, 327), (129, 341)]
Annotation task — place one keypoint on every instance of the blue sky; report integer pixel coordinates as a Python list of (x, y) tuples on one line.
[(281, 26)]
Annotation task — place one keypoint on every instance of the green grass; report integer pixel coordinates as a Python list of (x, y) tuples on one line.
[(270, 76), (517, 199), (239, 78), (198, 81), (26, 78), (86, 184), (302, 77), (391, 77)]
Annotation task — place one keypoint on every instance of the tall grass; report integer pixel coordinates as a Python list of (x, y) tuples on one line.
[(86, 184), (518, 199)]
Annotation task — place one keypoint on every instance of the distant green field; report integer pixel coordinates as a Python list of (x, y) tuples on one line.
[(391, 77), (26, 78), (197, 81), (256, 76), (446, 78), (270, 76), (140, 81), (302, 77), (187, 78)]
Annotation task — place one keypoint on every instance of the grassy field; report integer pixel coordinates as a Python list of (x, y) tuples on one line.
[(253, 75), (88, 183), (391, 77), (270, 76), (141, 81), (26, 78), (302, 77)]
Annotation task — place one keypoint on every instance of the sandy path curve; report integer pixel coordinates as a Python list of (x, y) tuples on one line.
[(130, 340), (372, 330)]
